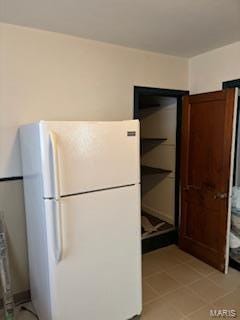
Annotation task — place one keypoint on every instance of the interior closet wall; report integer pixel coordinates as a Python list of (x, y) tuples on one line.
[(158, 191)]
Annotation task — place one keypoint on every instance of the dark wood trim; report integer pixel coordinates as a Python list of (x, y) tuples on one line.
[(11, 178), (136, 103), (178, 161), (138, 90), (231, 84), (184, 157), (160, 91)]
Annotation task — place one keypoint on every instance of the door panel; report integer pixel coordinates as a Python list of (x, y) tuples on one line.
[(91, 155), (99, 276), (205, 174)]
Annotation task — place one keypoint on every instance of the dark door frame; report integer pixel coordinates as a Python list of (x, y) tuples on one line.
[(138, 90), (231, 84)]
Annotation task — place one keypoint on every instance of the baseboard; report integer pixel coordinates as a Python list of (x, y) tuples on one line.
[(157, 213), (20, 297)]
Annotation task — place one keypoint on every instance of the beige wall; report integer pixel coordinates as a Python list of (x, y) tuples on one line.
[(52, 76), (207, 71)]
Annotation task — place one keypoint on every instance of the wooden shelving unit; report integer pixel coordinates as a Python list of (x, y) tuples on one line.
[(146, 170)]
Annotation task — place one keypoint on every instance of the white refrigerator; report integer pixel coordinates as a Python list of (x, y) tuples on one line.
[(82, 199)]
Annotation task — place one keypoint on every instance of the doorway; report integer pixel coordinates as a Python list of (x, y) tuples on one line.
[(160, 114), (199, 128), (172, 276)]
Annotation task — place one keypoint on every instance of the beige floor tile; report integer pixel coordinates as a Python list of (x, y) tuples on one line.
[(159, 310), (228, 281), (207, 290), (149, 265), (184, 300), (230, 301), (202, 314), (200, 266), (165, 260), (163, 283), (179, 254), (167, 249), (149, 293), (184, 274)]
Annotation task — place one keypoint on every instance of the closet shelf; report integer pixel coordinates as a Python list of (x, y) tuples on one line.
[(146, 170), (160, 140)]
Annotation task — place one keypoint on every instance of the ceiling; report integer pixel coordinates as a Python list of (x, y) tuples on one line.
[(178, 27)]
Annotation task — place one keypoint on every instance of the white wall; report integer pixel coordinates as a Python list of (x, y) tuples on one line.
[(207, 71), (52, 76)]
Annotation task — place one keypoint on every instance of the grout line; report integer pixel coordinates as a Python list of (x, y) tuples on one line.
[(171, 291), (161, 271), (220, 297), (215, 300), (153, 274), (187, 286), (155, 291), (151, 301), (195, 269), (199, 309)]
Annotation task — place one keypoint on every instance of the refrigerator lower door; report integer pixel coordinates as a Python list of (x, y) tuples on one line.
[(99, 276)]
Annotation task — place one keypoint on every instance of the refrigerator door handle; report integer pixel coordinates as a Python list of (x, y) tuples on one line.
[(57, 198), (53, 139), (58, 246)]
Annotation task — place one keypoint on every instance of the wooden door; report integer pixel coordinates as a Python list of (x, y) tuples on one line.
[(205, 174)]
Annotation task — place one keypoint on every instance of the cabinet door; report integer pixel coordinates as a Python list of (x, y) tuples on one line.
[(206, 160)]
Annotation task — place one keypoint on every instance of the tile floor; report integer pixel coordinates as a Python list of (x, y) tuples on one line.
[(177, 286)]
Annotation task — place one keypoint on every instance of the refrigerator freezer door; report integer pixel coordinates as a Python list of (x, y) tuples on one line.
[(90, 155), (99, 276)]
